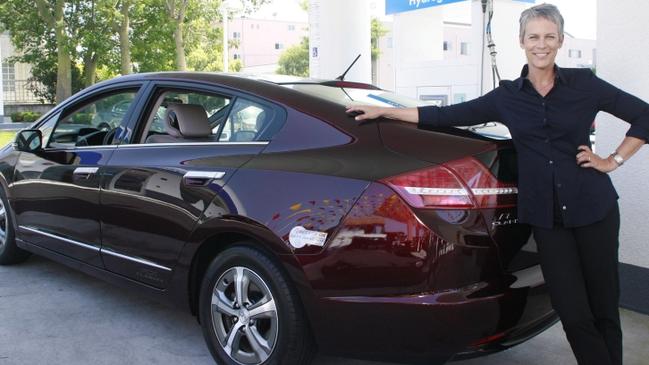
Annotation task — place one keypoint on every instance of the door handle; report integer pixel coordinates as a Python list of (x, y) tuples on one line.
[(201, 178), (84, 171)]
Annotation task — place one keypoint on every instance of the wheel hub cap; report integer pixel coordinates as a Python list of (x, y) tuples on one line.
[(244, 316)]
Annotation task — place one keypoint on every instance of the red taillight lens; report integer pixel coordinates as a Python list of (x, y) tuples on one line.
[(460, 184), (487, 191)]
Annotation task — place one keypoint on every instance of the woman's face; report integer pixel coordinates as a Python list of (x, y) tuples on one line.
[(541, 43)]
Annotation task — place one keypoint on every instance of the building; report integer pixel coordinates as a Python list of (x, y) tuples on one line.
[(260, 42), (445, 68), (17, 89)]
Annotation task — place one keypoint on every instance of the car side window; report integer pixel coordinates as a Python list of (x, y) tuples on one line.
[(93, 123), (177, 116), (247, 122)]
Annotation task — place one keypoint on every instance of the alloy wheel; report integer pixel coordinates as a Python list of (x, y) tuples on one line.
[(244, 316), (3, 223)]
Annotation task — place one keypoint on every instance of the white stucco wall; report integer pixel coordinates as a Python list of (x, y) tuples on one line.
[(623, 60)]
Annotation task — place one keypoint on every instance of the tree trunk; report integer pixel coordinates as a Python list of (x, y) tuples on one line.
[(177, 16), (64, 71), (89, 70), (124, 45), (181, 65), (57, 22)]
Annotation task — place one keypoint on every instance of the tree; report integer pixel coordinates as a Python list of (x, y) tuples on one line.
[(377, 31), (116, 15), (72, 43), (56, 21), (295, 60), (176, 12), (93, 39), (57, 37)]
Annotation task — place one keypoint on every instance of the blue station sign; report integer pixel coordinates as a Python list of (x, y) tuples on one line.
[(400, 6)]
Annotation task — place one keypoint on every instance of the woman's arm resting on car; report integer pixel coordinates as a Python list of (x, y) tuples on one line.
[(372, 112), (475, 111)]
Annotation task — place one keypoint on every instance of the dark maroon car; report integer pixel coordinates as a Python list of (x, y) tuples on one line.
[(284, 225)]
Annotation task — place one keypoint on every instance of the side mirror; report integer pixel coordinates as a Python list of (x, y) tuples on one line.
[(29, 140)]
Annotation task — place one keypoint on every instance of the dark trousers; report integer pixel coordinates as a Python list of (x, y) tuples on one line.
[(580, 266)]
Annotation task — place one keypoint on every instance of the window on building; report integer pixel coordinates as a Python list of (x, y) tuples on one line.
[(236, 35), (574, 53), (291, 27), (8, 76), (279, 46), (464, 48), (236, 56), (447, 45), (459, 98)]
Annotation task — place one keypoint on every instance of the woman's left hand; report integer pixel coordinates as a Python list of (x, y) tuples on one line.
[(587, 158)]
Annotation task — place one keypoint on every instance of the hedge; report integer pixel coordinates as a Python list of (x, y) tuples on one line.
[(25, 117)]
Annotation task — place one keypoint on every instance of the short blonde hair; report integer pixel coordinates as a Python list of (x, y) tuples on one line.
[(546, 11)]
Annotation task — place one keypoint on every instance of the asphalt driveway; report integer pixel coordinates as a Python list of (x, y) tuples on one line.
[(50, 314)]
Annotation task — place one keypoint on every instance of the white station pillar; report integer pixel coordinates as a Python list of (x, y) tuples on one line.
[(339, 31)]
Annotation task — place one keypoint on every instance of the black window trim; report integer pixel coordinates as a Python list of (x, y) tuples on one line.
[(188, 85), (88, 95)]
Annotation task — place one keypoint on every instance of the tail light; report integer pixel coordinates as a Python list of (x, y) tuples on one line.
[(461, 184)]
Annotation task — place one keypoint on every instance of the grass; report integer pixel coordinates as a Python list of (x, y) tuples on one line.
[(6, 137)]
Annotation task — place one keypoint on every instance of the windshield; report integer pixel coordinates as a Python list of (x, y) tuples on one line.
[(356, 96)]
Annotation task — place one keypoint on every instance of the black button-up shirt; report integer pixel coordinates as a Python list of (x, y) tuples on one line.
[(546, 132)]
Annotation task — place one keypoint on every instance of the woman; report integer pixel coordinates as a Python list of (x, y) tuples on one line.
[(565, 193)]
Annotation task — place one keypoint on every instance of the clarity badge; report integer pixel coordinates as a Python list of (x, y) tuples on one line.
[(300, 237)]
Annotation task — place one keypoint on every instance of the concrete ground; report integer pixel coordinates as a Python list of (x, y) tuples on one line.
[(50, 314)]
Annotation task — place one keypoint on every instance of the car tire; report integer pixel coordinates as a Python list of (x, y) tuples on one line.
[(10, 253), (269, 328)]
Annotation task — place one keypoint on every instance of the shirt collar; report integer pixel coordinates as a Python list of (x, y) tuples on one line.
[(558, 74)]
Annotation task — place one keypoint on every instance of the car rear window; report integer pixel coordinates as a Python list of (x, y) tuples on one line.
[(358, 96)]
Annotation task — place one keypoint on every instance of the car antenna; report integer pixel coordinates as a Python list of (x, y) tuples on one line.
[(342, 77)]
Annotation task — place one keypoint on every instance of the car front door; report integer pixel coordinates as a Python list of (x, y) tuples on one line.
[(156, 187), (55, 192)]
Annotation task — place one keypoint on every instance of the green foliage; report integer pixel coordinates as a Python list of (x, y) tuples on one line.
[(25, 117), (82, 118), (92, 38), (376, 32), (295, 60), (235, 65)]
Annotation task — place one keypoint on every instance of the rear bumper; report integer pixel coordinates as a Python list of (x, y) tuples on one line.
[(433, 328)]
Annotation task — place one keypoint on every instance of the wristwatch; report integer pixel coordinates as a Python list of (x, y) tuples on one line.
[(617, 158)]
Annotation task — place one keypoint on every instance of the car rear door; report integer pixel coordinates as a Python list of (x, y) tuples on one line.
[(156, 186), (55, 192)]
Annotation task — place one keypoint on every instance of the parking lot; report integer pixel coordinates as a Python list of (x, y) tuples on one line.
[(50, 314)]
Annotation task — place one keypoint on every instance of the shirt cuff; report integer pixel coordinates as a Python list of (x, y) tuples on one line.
[(637, 132), (428, 116)]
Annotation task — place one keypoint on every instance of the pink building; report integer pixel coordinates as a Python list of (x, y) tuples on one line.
[(262, 41)]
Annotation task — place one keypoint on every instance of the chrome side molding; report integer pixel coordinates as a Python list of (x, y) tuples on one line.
[(95, 248), (67, 240)]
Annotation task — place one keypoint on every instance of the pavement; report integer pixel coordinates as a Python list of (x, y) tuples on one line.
[(50, 314), (13, 126)]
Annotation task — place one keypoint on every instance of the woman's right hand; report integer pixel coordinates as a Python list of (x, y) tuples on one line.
[(363, 112)]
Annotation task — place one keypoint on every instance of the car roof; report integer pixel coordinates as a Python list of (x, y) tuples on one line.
[(269, 87)]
